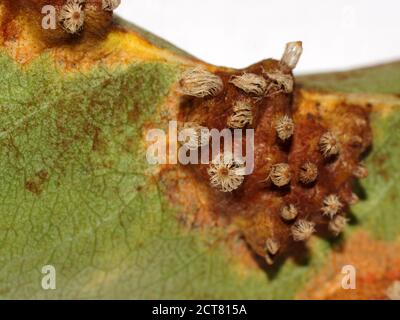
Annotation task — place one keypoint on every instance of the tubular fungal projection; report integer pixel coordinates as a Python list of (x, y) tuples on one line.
[(332, 206), (354, 199), (292, 54), (280, 174), (308, 173), (289, 212), (200, 83), (194, 136), (242, 115), (361, 172), (303, 230), (329, 144), (285, 128), (337, 225), (250, 83), (272, 246), (280, 82)]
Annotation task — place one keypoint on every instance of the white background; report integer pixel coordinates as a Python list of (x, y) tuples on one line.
[(336, 34)]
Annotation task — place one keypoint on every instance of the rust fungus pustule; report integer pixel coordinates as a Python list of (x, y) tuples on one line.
[(305, 160), (285, 128), (72, 16), (242, 115), (52, 24), (280, 174), (308, 173)]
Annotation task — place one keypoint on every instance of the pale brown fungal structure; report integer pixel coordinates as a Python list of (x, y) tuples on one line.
[(200, 83), (272, 246), (337, 225), (285, 128), (308, 173), (292, 54), (354, 199), (110, 5), (72, 16), (281, 82), (332, 206), (360, 172), (250, 83), (289, 212), (302, 230), (295, 173), (280, 174), (393, 292), (226, 172), (269, 260), (242, 115), (194, 136), (329, 144)]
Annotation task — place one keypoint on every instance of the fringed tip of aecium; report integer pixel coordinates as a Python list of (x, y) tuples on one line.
[(226, 172), (272, 248), (292, 54), (242, 115), (200, 83), (295, 154), (302, 230)]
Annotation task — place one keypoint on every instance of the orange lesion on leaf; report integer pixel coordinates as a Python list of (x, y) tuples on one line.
[(377, 264), (101, 40)]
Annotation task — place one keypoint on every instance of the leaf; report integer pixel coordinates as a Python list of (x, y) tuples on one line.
[(78, 194), (378, 212), (382, 79)]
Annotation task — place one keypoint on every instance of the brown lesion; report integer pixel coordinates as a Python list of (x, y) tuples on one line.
[(254, 208)]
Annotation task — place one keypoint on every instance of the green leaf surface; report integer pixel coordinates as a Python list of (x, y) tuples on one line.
[(383, 79), (78, 194)]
